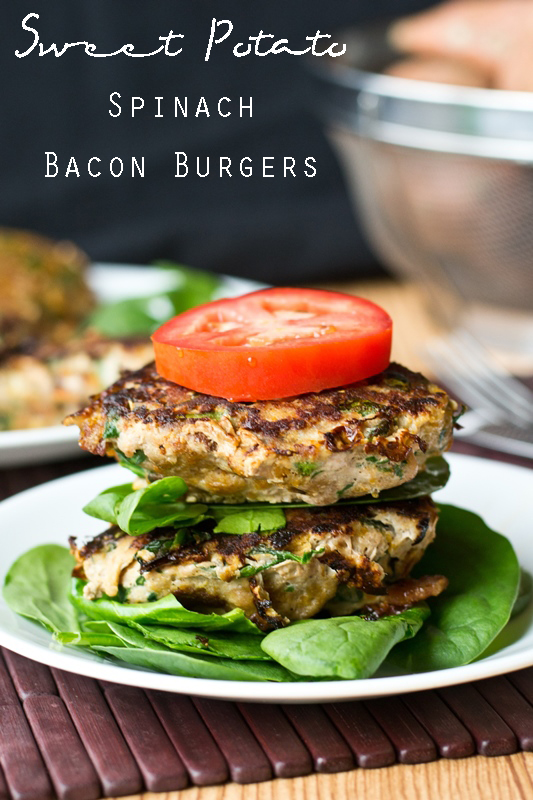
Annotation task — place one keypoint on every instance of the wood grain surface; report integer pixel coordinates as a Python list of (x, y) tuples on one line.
[(479, 778)]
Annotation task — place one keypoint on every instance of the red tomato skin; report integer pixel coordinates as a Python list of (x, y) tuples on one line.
[(268, 379), (248, 374)]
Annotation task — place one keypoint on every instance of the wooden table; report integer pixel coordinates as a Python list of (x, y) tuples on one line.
[(502, 778), (476, 778)]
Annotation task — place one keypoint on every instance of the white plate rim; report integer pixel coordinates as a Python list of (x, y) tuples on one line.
[(303, 692)]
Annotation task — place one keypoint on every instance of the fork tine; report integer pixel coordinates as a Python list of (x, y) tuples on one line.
[(444, 364), (469, 374), (494, 392)]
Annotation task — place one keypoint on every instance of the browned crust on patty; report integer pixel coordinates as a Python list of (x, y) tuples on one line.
[(151, 399), (316, 447)]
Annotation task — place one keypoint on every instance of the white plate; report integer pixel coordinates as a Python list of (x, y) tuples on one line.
[(110, 283), (51, 513)]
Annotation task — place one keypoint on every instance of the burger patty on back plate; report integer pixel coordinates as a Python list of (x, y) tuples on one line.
[(344, 558), (315, 448), (44, 294), (38, 387)]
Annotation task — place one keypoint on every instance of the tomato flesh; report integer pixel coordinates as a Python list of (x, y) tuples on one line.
[(274, 343)]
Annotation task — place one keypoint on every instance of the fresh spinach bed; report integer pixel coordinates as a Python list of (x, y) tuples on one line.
[(454, 629)]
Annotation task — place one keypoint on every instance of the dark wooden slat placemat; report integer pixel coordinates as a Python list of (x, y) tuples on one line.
[(75, 738)]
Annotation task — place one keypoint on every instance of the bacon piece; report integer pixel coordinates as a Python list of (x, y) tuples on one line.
[(409, 591), (405, 593)]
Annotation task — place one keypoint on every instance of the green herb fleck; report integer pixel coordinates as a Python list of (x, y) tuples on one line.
[(377, 524), (384, 465), (278, 557), (381, 429), (396, 380), (363, 407), (110, 428), (307, 468), (151, 597), (443, 435), (122, 594), (160, 547), (141, 580)]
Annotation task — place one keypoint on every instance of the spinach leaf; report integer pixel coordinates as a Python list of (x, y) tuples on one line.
[(97, 626), (249, 521), (88, 639), (341, 647), (37, 587), (111, 430), (153, 655), (138, 511), (238, 646), (279, 556), (194, 288), (484, 576), (159, 658), (167, 611), (103, 506), (157, 506), (140, 316), (133, 463)]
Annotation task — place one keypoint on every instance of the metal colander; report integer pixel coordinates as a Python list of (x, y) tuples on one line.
[(442, 176)]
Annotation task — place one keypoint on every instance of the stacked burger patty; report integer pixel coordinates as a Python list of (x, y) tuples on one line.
[(312, 457), (48, 364)]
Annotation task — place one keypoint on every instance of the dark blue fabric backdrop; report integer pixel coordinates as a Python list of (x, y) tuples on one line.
[(278, 230)]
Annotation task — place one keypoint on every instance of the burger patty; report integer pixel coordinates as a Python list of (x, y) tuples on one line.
[(341, 558), (39, 387), (44, 291), (315, 448)]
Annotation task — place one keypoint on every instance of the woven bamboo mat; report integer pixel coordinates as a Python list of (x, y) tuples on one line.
[(74, 738)]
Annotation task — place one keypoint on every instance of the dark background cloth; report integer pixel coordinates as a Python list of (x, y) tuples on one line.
[(280, 230)]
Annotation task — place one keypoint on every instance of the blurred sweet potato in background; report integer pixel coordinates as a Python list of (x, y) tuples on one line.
[(438, 70), (492, 37)]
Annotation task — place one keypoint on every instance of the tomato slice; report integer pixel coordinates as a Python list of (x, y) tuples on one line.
[(274, 343)]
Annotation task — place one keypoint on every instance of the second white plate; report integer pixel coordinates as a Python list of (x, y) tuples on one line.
[(110, 283)]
